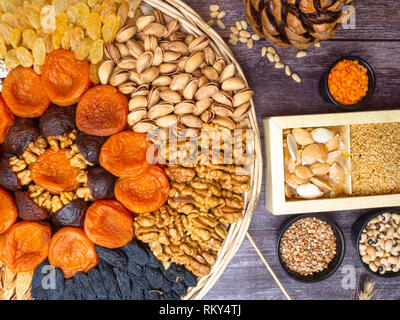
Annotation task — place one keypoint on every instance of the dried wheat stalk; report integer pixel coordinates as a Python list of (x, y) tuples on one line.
[(14, 286), (367, 292)]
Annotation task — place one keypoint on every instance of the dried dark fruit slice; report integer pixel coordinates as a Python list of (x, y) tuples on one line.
[(57, 121), (115, 257), (101, 183), (90, 146), (97, 284), (179, 288), (154, 277), (136, 253), (109, 280), (82, 287), (71, 215), (69, 292), (8, 178), (27, 209), (124, 284), (21, 134)]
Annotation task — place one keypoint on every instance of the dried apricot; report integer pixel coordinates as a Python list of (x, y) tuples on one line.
[(144, 193), (72, 251), (54, 172), (109, 224), (102, 111), (25, 245), (124, 154), (23, 93), (65, 78), (8, 211), (6, 119)]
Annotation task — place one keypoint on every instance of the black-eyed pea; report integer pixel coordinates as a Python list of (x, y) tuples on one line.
[(388, 245), (366, 259), (362, 247), (374, 220), (384, 262), (371, 251), (363, 237), (396, 218), (380, 253), (393, 260), (373, 267), (377, 262), (390, 232)]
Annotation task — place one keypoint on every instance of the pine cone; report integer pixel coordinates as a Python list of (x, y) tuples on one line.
[(298, 23)]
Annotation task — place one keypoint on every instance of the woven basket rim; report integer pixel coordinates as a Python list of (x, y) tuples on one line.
[(194, 24)]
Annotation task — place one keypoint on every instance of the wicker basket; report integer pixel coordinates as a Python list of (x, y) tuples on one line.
[(192, 23)]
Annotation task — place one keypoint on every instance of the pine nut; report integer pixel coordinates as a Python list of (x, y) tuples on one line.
[(221, 24), (214, 14), (210, 22), (270, 57), (235, 30), (233, 37), (301, 54), (239, 25), (244, 34), (250, 44), (243, 40), (271, 50), (221, 15), (255, 37), (288, 71), (214, 7), (232, 42), (317, 45), (244, 24), (263, 51), (277, 58), (296, 77), (279, 65)]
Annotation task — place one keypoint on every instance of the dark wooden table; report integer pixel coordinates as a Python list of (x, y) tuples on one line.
[(376, 38)]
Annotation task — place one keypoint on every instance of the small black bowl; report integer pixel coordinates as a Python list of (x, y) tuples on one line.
[(333, 265), (326, 95), (356, 230)]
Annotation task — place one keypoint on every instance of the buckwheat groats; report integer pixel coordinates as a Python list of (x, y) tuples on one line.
[(308, 246), (375, 159)]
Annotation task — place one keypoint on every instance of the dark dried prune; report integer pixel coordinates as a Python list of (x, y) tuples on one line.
[(21, 134), (124, 283), (152, 295), (97, 284), (57, 121), (154, 277), (58, 290), (101, 183), (27, 209), (8, 178), (136, 253), (90, 146), (109, 280), (83, 289), (71, 215), (69, 290), (38, 275), (115, 257)]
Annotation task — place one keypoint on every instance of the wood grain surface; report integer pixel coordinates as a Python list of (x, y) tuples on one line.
[(375, 38)]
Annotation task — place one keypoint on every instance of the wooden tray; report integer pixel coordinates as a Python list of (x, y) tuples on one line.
[(274, 181)]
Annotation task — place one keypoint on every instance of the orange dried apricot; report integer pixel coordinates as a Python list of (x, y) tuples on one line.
[(102, 111), (65, 78), (25, 245), (124, 154), (23, 93), (109, 224), (145, 193), (6, 119), (54, 172), (72, 251), (8, 211)]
